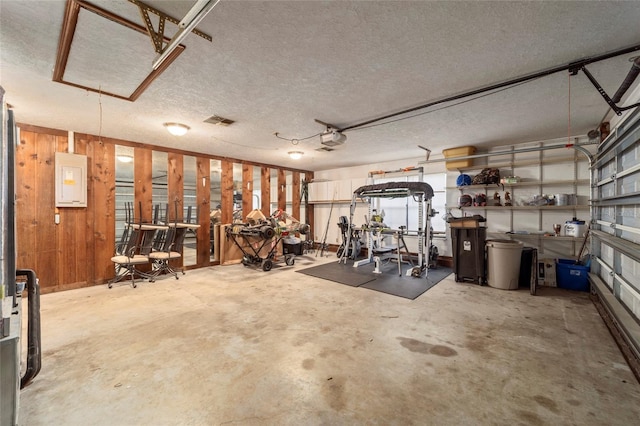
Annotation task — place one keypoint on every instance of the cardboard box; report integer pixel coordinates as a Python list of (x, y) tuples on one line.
[(215, 215), (458, 152), (256, 216), (547, 272), (464, 222)]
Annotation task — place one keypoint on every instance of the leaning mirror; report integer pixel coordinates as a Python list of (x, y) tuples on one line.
[(215, 207), (124, 191), (257, 192), (159, 186), (237, 192), (190, 210)]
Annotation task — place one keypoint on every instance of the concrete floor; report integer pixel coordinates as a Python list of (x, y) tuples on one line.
[(235, 345)]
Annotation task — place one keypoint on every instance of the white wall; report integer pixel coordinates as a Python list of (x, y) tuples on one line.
[(349, 179)]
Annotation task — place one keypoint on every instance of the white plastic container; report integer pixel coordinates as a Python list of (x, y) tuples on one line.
[(575, 230)]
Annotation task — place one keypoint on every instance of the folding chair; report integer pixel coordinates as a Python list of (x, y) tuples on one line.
[(133, 250), (127, 256), (170, 247)]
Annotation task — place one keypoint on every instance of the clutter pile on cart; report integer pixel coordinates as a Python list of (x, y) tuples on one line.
[(259, 237)]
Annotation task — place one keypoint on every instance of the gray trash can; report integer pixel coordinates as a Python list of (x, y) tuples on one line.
[(503, 263)]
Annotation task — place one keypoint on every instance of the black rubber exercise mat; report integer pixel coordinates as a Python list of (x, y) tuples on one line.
[(340, 273), (406, 286), (389, 281)]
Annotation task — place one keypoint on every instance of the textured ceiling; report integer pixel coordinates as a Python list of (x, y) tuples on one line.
[(277, 66)]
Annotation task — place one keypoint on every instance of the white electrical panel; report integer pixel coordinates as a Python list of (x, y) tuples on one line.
[(71, 180)]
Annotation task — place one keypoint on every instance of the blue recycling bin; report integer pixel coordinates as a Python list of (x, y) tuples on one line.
[(572, 276)]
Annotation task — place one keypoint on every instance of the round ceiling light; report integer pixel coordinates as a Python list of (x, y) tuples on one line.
[(176, 129), (125, 158), (295, 155)]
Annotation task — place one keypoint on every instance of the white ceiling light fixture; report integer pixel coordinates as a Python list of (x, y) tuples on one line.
[(176, 129), (185, 26), (125, 158), (295, 155)]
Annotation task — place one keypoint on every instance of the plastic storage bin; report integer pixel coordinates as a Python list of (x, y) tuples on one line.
[(292, 245), (459, 152), (292, 249), (572, 276)]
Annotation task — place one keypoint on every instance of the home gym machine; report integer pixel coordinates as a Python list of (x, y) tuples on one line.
[(355, 245), (422, 193)]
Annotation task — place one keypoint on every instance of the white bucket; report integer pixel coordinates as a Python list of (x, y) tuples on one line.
[(575, 230), (503, 263)]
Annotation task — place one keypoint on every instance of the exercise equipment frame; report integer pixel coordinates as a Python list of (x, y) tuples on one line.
[(422, 193)]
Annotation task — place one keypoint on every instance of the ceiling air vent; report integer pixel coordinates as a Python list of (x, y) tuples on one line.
[(219, 121)]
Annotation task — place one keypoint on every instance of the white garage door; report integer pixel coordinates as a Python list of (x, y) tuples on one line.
[(615, 243)]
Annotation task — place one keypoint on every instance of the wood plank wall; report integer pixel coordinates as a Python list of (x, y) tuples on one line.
[(175, 192), (203, 197), (175, 186), (265, 189), (282, 191), (226, 195), (143, 207), (308, 176), (101, 208), (76, 252), (247, 189), (75, 230), (295, 196)]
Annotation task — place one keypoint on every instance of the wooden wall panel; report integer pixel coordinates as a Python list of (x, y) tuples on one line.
[(175, 192), (47, 262), (73, 257), (203, 195), (83, 260), (309, 210), (247, 190), (265, 189), (282, 190), (77, 251), (295, 196), (26, 197), (142, 158), (101, 208), (226, 196), (66, 232), (175, 189)]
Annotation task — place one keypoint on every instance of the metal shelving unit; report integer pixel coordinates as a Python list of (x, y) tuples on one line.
[(573, 207), (522, 184), (519, 163), (575, 183)]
